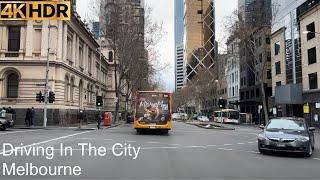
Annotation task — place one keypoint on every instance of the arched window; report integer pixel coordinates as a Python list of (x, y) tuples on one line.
[(91, 94), (88, 94), (110, 56), (12, 85), (66, 89), (71, 89)]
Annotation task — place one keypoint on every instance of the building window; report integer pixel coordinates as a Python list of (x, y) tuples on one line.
[(313, 81), (110, 56), (12, 86), (90, 62), (71, 89), (277, 48), (311, 28), (66, 89), (268, 40), (247, 95), (233, 92), (269, 74), (14, 38), (252, 94), (278, 83), (69, 49), (312, 55), (258, 93), (278, 68)]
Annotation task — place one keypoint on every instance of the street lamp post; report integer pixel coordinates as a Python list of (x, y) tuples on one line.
[(45, 111)]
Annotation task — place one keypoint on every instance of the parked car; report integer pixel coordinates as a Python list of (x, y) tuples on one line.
[(179, 116), (287, 135), (203, 118), (6, 121)]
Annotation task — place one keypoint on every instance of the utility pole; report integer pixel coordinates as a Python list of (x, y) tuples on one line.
[(45, 119)]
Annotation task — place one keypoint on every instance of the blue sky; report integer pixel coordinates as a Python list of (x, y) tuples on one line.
[(163, 11)]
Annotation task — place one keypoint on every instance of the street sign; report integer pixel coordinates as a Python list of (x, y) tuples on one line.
[(274, 111), (317, 105), (306, 109)]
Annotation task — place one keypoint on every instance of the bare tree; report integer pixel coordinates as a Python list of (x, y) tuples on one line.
[(133, 37), (251, 31)]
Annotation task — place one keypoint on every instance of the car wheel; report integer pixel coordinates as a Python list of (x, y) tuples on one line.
[(3, 128), (310, 151)]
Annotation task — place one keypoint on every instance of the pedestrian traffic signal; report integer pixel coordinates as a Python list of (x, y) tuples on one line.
[(222, 103), (52, 97), (99, 101), (39, 97)]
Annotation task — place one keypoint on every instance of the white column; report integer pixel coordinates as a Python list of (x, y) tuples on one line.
[(29, 39), (65, 40), (74, 42), (77, 52), (44, 39), (61, 43), (22, 38), (53, 39), (1, 37)]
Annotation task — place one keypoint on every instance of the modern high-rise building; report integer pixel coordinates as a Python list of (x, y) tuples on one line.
[(179, 51), (199, 37), (178, 24), (180, 68), (96, 29)]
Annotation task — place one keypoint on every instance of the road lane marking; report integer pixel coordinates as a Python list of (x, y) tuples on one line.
[(225, 149), (250, 142), (18, 132), (150, 148), (174, 144), (212, 145), (195, 147), (317, 159), (50, 140), (240, 143), (153, 142), (227, 144)]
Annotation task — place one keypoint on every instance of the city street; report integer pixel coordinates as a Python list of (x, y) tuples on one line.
[(188, 152)]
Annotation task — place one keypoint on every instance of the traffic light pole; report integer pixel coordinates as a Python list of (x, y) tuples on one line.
[(45, 119)]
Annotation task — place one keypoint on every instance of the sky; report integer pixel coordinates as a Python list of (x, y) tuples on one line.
[(163, 11)]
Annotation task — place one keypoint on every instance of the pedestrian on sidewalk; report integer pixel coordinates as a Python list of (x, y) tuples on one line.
[(99, 118), (80, 117), (28, 117), (32, 116)]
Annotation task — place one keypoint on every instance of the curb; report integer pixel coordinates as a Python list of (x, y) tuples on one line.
[(84, 128)]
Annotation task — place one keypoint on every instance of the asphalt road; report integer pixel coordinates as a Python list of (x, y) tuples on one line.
[(188, 152)]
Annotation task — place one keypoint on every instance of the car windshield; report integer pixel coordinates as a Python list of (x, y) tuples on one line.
[(286, 124)]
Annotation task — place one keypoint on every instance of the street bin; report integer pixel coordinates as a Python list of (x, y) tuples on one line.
[(107, 120)]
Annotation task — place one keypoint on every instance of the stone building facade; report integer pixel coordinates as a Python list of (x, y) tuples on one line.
[(78, 72)]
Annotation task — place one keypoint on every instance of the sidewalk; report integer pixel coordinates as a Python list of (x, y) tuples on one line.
[(90, 126)]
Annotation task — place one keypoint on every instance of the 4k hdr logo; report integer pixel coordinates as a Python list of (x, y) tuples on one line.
[(35, 10)]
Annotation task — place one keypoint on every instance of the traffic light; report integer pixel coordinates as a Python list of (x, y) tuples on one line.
[(99, 101), (52, 97), (39, 97), (222, 103)]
